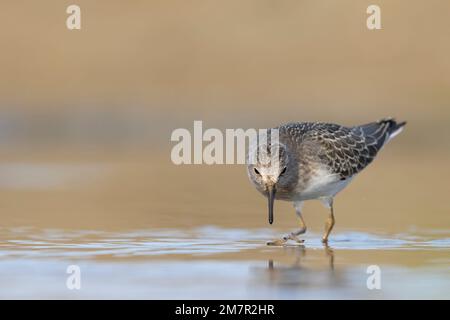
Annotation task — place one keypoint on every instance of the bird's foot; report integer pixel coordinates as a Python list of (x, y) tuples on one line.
[(277, 243), (284, 240)]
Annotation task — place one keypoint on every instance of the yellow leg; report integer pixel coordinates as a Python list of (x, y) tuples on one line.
[(292, 235), (329, 224), (302, 229)]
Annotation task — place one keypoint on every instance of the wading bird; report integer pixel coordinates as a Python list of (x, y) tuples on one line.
[(315, 161)]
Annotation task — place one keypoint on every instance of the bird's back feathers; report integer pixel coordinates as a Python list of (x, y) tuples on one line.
[(344, 150)]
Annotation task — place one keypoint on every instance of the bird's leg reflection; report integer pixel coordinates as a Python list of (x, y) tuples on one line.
[(330, 254), (303, 268), (300, 252)]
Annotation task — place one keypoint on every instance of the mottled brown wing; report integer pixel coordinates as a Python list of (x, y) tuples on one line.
[(349, 150)]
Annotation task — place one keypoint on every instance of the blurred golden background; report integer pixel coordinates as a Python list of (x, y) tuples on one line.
[(86, 116)]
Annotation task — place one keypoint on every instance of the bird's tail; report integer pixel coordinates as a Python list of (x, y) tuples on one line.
[(380, 132), (393, 127)]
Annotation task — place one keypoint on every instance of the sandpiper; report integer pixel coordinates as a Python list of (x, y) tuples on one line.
[(316, 161)]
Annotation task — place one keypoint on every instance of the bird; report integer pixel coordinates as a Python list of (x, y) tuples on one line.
[(314, 161)]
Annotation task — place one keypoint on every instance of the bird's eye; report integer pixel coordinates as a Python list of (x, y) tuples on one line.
[(256, 171), (283, 171)]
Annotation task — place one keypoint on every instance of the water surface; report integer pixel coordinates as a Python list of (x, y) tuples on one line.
[(214, 262)]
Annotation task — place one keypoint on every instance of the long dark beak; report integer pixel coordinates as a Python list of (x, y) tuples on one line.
[(271, 197)]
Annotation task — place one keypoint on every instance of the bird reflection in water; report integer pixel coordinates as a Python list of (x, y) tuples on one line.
[(307, 269)]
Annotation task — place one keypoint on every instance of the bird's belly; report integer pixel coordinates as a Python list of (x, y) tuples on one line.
[(321, 185)]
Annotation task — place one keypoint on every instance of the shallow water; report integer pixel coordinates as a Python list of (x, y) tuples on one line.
[(214, 262), (140, 227)]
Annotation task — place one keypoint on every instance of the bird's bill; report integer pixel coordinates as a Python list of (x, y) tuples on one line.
[(271, 199)]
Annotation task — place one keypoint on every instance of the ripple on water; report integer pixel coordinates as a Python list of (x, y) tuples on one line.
[(209, 240)]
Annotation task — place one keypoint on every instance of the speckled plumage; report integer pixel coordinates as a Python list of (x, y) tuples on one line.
[(346, 151), (319, 159)]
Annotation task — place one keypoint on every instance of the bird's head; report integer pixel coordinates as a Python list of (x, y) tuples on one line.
[(269, 171)]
